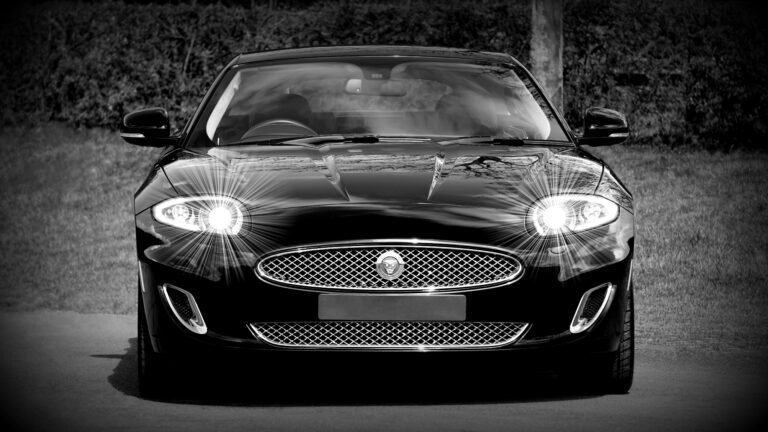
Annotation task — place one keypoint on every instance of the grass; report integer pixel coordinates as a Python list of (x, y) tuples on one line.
[(701, 267), (67, 233)]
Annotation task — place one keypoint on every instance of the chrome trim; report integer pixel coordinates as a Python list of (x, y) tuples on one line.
[(393, 243), (400, 241), (403, 139), (608, 126), (131, 135), (194, 325), (578, 327), (517, 330), (141, 279)]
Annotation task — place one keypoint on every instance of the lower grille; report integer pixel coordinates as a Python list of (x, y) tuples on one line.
[(389, 334)]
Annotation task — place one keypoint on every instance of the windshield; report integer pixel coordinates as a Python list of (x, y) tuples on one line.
[(381, 97)]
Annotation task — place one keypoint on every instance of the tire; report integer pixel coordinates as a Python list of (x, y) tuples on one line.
[(610, 373), (152, 367), (621, 364)]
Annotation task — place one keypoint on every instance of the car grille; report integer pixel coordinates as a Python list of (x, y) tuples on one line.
[(426, 268), (389, 334)]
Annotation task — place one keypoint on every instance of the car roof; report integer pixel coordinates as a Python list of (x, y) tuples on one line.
[(375, 51)]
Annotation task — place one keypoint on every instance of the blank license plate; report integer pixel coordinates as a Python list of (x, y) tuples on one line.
[(391, 307)]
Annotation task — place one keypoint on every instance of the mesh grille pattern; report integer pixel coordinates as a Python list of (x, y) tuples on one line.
[(425, 268), (181, 304), (389, 334), (592, 307)]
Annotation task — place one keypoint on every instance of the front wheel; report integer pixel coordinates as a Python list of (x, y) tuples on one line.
[(151, 365), (620, 366)]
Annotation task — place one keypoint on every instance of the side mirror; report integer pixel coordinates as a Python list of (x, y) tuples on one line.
[(603, 127), (148, 127)]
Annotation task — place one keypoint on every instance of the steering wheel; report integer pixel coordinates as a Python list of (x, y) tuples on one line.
[(278, 127)]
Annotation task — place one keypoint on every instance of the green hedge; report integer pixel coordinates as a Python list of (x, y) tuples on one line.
[(691, 72), (705, 63)]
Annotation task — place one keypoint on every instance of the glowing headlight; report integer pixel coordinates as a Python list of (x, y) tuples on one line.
[(560, 214), (214, 214)]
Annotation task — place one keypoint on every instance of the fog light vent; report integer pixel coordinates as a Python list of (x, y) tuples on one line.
[(592, 304), (184, 308), (592, 307)]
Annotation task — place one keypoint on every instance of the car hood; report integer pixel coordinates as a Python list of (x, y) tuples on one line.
[(385, 174), (295, 196)]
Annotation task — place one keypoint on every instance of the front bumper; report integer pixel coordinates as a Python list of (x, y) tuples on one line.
[(540, 300)]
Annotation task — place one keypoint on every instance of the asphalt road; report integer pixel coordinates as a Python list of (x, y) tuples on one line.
[(75, 372)]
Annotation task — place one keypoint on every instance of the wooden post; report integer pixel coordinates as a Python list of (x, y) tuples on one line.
[(547, 47)]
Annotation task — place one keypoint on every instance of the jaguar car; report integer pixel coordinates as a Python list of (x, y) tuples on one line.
[(382, 199)]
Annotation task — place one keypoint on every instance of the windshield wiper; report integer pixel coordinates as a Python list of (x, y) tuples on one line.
[(327, 139), (491, 139), (316, 140), (308, 140)]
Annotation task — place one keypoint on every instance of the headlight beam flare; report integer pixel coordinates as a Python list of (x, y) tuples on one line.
[(219, 233), (571, 213), (556, 231)]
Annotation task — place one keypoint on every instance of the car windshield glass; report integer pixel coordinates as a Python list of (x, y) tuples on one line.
[(379, 97)]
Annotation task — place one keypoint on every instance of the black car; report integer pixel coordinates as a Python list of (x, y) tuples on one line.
[(382, 198)]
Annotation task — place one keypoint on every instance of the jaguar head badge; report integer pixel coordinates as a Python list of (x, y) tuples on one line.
[(390, 265)]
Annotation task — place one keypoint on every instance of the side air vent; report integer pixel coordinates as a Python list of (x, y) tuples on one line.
[(591, 306), (184, 308)]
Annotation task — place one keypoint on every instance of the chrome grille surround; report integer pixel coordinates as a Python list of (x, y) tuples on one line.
[(389, 334), (429, 267)]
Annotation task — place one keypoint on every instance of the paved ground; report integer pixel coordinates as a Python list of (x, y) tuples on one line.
[(75, 372)]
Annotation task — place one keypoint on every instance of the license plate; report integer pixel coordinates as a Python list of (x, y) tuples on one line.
[(392, 307)]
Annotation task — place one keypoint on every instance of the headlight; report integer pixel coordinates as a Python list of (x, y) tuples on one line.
[(214, 214), (560, 214)]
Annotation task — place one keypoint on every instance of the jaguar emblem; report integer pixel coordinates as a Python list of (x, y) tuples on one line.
[(390, 265)]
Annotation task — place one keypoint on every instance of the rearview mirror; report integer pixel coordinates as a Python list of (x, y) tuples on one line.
[(603, 127), (375, 87), (148, 127)]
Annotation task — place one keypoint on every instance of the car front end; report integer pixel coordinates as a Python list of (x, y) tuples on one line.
[(327, 233)]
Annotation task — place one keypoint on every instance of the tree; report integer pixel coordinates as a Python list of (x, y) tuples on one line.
[(547, 47)]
